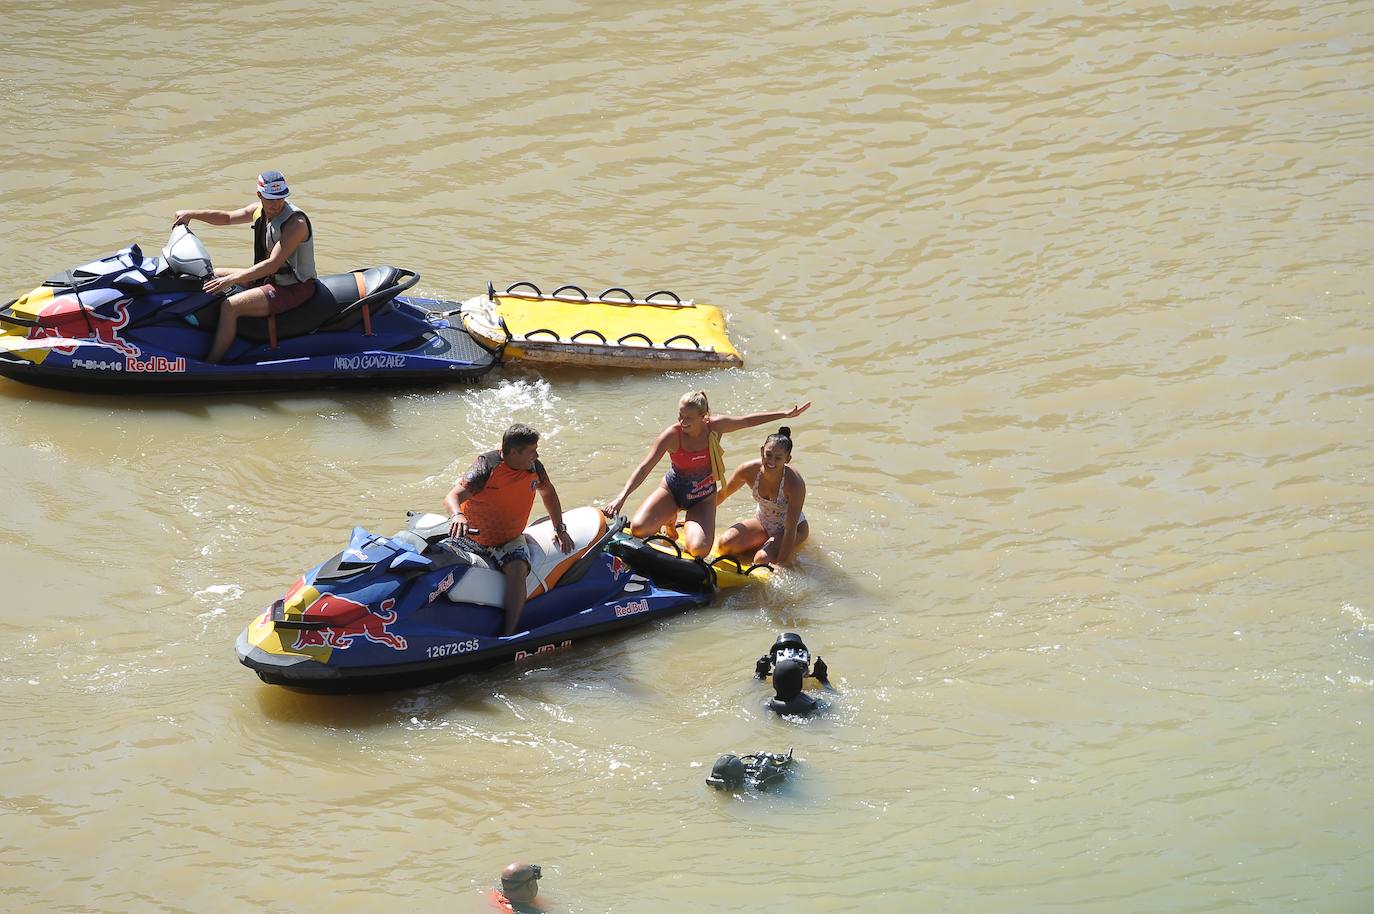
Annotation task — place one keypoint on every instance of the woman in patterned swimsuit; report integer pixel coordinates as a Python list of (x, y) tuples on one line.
[(778, 526), (691, 484)]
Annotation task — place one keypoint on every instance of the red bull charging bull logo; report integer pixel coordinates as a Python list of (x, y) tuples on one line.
[(370, 624), (64, 318)]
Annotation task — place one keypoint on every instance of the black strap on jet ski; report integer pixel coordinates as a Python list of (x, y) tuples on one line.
[(404, 280), (81, 306)]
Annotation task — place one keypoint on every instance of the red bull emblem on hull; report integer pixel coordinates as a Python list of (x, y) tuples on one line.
[(156, 363), (522, 656), (631, 608), (441, 588), (63, 318), (371, 624)]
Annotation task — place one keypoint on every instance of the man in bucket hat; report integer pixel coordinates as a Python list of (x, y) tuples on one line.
[(282, 276)]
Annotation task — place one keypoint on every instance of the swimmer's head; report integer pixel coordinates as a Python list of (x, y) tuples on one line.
[(520, 881)]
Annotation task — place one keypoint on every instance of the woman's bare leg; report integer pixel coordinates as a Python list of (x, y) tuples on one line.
[(658, 509), (700, 529), (768, 552), (743, 538)]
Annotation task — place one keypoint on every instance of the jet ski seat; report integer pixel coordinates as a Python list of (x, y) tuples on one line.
[(487, 586), (329, 309)]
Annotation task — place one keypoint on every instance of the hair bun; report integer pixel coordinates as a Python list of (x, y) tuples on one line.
[(784, 431)]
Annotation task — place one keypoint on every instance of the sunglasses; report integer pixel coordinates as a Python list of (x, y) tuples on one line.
[(534, 874)]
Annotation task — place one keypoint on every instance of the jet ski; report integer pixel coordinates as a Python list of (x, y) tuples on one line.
[(133, 323), (413, 608)]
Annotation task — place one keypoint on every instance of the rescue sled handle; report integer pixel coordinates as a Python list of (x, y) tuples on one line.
[(615, 295)]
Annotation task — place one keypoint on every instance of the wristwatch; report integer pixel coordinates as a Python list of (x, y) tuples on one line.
[(561, 528)]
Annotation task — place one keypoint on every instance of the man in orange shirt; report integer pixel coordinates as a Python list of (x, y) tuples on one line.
[(490, 504)]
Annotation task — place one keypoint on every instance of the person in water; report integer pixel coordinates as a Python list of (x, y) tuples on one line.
[(283, 274), (519, 889), (691, 482), (490, 504), (778, 526), (788, 698)]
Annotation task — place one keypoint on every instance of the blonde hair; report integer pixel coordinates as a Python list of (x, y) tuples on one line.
[(697, 400)]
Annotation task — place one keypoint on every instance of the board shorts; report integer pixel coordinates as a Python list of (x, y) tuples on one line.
[(499, 556), (285, 298)]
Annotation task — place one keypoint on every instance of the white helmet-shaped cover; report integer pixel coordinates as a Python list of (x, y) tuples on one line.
[(186, 255)]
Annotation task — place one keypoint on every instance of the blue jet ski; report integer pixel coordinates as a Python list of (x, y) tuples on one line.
[(130, 323), (413, 608)]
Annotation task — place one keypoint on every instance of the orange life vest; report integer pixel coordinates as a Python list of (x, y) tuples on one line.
[(499, 499)]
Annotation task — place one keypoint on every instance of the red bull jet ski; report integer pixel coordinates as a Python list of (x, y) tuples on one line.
[(131, 323), (413, 608)]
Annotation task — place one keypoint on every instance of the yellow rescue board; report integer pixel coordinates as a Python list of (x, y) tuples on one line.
[(569, 327)]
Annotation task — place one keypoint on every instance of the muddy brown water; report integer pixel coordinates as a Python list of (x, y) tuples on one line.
[(1081, 293)]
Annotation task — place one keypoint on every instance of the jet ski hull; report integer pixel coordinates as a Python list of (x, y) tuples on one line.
[(468, 653), (88, 367)]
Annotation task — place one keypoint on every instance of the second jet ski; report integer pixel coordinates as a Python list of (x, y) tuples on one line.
[(134, 323)]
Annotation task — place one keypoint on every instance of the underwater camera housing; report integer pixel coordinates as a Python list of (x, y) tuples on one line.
[(790, 646), (758, 770)]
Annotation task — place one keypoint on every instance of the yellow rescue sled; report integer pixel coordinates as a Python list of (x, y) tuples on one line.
[(614, 329), (661, 559)]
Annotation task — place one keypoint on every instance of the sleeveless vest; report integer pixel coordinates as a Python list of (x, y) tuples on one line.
[(297, 268)]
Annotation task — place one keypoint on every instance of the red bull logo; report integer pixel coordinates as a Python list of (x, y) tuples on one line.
[(64, 318), (366, 623), (441, 588), (631, 608), (522, 656), (618, 567), (156, 363)]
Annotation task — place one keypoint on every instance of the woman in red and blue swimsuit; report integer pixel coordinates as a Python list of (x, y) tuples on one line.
[(690, 484)]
